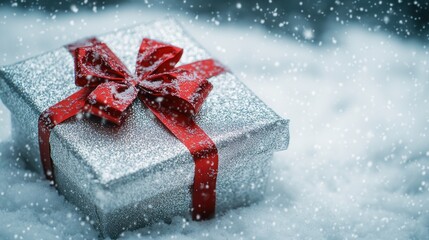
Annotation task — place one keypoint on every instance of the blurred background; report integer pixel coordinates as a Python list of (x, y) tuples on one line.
[(306, 20)]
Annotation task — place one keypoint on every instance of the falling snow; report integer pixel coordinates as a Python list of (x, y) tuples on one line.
[(356, 93)]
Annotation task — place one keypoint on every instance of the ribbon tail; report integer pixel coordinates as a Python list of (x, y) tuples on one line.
[(204, 153), (204, 68), (45, 149), (53, 116)]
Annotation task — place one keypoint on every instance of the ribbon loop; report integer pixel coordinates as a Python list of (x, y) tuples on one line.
[(156, 57), (96, 64), (109, 100), (180, 90)]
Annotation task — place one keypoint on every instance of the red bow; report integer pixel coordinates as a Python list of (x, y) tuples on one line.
[(173, 94)]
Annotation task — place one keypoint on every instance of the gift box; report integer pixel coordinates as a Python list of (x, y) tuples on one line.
[(142, 169)]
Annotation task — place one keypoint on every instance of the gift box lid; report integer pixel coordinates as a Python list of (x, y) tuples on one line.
[(236, 120)]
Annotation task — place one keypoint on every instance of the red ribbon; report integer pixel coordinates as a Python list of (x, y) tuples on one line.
[(173, 94)]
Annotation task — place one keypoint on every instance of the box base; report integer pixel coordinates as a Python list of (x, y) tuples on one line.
[(232, 191)]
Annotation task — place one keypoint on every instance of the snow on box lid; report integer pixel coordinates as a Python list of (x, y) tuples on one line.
[(236, 120)]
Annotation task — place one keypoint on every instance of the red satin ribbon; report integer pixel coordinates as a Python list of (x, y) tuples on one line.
[(173, 94)]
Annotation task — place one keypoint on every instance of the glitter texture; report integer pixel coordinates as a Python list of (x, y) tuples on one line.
[(130, 176)]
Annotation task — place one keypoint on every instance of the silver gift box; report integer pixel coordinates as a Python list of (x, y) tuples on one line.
[(130, 176)]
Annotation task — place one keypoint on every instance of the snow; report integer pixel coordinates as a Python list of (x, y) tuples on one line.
[(357, 165)]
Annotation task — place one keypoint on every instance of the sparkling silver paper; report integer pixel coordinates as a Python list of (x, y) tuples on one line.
[(130, 176)]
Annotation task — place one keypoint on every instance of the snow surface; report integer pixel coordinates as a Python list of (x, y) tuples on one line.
[(357, 166)]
